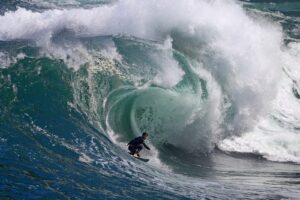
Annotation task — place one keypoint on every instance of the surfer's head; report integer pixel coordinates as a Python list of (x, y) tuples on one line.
[(145, 135)]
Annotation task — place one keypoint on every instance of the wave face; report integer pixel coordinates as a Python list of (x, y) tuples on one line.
[(215, 83)]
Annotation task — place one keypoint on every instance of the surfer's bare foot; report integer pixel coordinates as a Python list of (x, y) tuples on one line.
[(137, 154)]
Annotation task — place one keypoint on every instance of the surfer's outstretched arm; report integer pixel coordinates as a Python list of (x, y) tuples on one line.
[(146, 146)]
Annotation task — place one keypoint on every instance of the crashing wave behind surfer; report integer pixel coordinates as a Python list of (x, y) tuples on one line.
[(81, 78)]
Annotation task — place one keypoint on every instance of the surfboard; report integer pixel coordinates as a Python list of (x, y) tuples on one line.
[(142, 159), (139, 158)]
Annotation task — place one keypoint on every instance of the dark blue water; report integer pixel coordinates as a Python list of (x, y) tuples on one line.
[(215, 84)]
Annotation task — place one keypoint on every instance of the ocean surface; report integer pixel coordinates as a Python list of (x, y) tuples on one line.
[(215, 83)]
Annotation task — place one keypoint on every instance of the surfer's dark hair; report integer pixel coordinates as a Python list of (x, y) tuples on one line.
[(145, 133)]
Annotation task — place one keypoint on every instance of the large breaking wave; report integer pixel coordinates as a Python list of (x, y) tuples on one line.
[(196, 74), (215, 83)]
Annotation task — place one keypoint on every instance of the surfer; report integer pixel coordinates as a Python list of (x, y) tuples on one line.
[(136, 145)]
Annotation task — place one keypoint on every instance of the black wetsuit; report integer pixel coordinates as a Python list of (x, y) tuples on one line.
[(135, 145)]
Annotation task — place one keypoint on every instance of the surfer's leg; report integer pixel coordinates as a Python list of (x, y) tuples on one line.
[(132, 149), (138, 149)]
